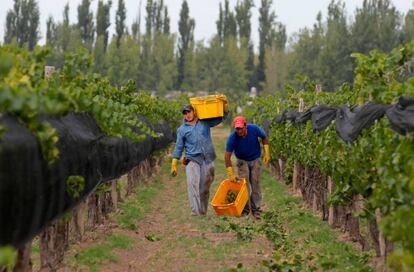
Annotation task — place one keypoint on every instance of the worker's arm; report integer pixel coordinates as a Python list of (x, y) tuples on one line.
[(227, 159), (265, 141), (212, 122), (179, 147)]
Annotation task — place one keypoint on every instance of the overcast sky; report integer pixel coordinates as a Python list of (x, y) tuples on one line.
[(295, 14)]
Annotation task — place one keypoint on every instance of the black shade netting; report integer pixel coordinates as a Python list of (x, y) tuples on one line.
[(401, 115), (34, 192), (351, 121), (305, 116), (287, 115), (322, 116)]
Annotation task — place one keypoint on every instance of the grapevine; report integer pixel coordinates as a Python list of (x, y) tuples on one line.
[(379, 165)]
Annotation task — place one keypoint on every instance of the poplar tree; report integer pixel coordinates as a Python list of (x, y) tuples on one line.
[(22, 23), (220, 25), (267, 19), (51, 32), (85, 23), (186, 37), (243, 18), (230, 25), (120, 22), (103, 21), (376, 26), (166, 23), (408, 27)]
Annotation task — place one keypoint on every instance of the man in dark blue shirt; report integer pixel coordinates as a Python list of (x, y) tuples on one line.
[(244, 142)]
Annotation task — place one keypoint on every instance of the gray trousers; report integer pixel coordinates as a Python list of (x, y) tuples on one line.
[(199, 180), (250, 170)]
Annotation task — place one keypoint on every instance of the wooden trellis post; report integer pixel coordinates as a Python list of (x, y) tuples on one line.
[(296, 165), (23, 260), (49, 70), (331, 211), (385, 247)]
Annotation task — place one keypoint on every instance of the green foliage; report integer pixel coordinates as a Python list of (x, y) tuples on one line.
[(378, 165), (86, 25), (152, 237), (26, 94), (229, 23), (186, 27), (243, 17), (22, 24), (275, 77), (120, 21), (103, 21), (408, 27), (376, 26), (7, 257), (335, 63), (222, 69), (50, 32), (269, 32), (75, 185)]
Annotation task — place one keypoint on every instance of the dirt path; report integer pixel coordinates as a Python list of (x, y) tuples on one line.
[(154, 231), (182, 242)]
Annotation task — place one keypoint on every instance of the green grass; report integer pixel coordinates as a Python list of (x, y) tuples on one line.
[(35, 246), (137, 205), (132, 210), (119, 241), (302, 241), (311, 240), (93, 256)]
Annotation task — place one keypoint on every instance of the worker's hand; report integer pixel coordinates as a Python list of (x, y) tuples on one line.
[(226, 106), (230, 174), (174, 165), (266, 154)]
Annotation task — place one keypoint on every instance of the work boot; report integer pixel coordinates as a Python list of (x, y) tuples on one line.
[(257, 216), (245, 212)]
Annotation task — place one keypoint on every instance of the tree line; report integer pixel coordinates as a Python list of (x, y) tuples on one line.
[(161, 61)]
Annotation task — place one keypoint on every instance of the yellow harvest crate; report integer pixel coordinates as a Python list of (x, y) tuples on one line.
[(236, 207), (209, 106)]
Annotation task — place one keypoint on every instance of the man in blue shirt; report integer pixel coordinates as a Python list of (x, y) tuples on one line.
[(194, 136), (245, 144)]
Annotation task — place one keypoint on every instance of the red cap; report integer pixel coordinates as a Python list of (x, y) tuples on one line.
[(239, 122)]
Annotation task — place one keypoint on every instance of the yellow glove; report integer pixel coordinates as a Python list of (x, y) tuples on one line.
[(230, 174), (174, 164), (266, 154)]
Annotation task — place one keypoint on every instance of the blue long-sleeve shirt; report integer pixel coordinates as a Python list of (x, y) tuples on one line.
[(196, 140)]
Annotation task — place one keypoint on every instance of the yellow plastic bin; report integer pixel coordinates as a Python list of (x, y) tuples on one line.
[(236, 207), (209, 106)]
